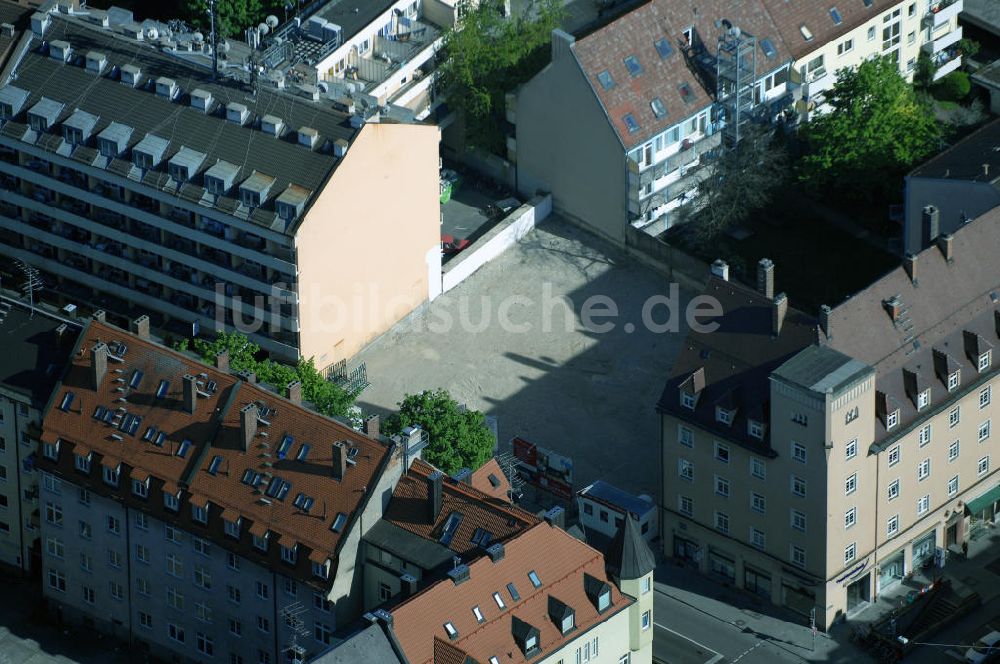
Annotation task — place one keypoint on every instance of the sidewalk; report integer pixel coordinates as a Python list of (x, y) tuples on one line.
[(778, 626)]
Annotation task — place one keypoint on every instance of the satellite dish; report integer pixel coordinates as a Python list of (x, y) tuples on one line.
[(272, 21), (263, 29), (198, 37), (152, 33)]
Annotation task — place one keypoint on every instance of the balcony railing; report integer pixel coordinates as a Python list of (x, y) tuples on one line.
[(944, 11), (948, 39)]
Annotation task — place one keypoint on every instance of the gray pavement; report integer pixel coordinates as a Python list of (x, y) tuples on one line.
[(579, 392)]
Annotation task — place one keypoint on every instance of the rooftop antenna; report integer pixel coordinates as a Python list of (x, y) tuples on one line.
[(214, 37), (32, 283)]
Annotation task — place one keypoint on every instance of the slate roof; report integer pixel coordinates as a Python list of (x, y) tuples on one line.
[(733, 363), (32, 357), (818, 18), (409, 510), (211, 468), (618, 499), (419, 621), (949, 299), (176, 121), (637, 33), (821, 370), (628, 556)]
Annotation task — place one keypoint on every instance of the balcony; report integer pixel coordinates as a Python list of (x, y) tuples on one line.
[(947, 64), (948, 39), (944, 11), (390, 54)]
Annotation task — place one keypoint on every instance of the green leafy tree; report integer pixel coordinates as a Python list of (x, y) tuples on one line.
[(956, 86), (327, 397), (458, 438), (487, 55), (232, 17), (968, 47), (876, 130), (923, 76)]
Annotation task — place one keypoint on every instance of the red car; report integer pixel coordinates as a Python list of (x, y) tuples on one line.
[(450, 246)]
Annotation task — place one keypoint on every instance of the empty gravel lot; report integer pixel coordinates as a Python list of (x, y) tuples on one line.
[(510, 341)]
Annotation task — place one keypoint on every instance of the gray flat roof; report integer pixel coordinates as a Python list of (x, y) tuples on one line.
[(369, 646), (352, 15), (32, 360), (822, 369), (245, 147), (408, 546), (612, 495)]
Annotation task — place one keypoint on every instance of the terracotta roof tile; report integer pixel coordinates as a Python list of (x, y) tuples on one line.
[(409, 509), (636, 34), (559, 561), (490, 479), (817, 17)]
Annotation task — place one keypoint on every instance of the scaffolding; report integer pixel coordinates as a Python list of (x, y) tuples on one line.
[(292, 614), (736, 76)]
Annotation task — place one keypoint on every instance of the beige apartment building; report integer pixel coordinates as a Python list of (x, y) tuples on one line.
[(817, 464), (139, 183)]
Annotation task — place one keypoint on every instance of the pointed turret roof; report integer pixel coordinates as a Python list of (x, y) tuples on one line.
[(628, 556)]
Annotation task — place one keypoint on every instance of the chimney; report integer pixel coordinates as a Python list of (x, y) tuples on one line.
[(98, 363), (779, 307), (62, 335), (409, 585), (765, 278), (248, 425), (824, 320), (190, 395), (910, 265), (295, 392), (946, 243), (932, 223), (248, 377), (894, 306), (720, 268), (459, 574), (371, 426), (222, 361), (339, 461), (434, 482), (496, 552), (556, 517), (140, 327), (99, 315)]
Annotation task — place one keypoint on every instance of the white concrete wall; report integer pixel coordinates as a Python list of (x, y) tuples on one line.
[(497, 241)]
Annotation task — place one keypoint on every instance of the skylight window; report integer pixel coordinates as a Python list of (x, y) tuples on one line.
[(663, 47), (605, 80), (835, 15), (659, 109), (535, 581), (482, 537), (184, 448), (476, 611), (499, 600), (632, 63), (213, 467), (450, 527), (136, 379), (286, 444), (514, 595), (67, 401), (303, 452), (806, 33), (868, 3), (767, 46), (161, 390), (149, 435), (450, 630), (338, 523), (630, 123), (160, 439)]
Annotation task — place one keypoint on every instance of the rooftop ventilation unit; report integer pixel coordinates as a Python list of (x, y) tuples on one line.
[(166, 87), (132, 30), (201, 99), (60, 50), (237, 113), (39, 21), (96, 62), (309, 91), (271, 125), (340, 147), (130, 75)]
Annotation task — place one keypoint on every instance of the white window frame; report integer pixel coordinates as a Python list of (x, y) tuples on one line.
[(850, 518), (851, 449), (924, 504), (953, 486), (851, 484), (892, 526)]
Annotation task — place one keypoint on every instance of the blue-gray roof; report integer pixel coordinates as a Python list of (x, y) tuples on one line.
[(822, 370), (608, 493)]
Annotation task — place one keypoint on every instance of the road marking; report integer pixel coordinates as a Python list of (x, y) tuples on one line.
[(688, 638), (748, 651)]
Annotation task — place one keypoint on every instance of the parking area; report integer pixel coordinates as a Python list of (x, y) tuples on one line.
[(509, 341)]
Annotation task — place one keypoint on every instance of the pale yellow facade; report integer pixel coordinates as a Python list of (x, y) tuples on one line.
[(833, 523), (368, 249)]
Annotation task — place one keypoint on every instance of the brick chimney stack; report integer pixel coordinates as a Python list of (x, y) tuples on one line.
[(140, 327), (765, 278), (190, 394), (248, 425), (434, 484), (222, 361), (339, 461), (295, 392), (910, 265), (98, 363)]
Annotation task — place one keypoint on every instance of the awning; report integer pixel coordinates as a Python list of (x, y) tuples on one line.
[(977, 505)]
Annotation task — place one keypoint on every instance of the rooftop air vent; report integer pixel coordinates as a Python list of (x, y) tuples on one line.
[(96, 62), (39, 21), (60, 50), (308, 137), (237, 113), (309, 91), (132, 30), (130, 75), (166, 87), (340, 147), (271, 125), (201, 99)]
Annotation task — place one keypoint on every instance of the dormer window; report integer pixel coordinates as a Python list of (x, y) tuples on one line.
[(568, 623), (171, 501), (260, 542), (82, 462), (604, 600), (530, 643), (954, 379), (892, 420), (688, 400), (249, 198), (755, 429), (924, 399), (562, 615), (141, 488), (984, 360), (199, 513), (723, 415), (232, 528), (320, 570), (51, 451), (111, 475), (289, 554)]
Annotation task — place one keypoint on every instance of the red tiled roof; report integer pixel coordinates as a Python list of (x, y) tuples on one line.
[(481, 480), (816, 16), (560, 562), (636, 33), (409, 509), (214, 466)]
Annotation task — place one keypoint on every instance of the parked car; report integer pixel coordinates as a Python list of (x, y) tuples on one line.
[(988, 647), (451, 246)]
